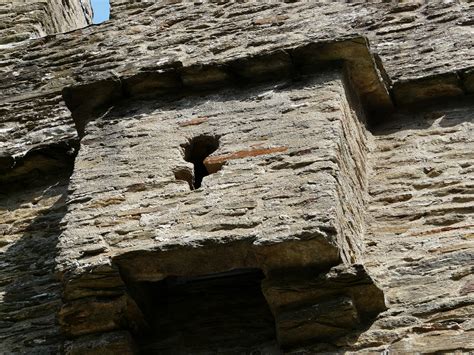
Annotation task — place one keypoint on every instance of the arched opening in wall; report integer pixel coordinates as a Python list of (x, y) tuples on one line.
[(195, 151), (216, 313), (101, 10)]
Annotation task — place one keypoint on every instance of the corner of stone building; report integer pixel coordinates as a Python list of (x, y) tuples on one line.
[(21, 21)]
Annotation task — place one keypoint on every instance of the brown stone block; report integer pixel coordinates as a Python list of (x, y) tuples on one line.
[(151, 84), (92, 315), (103, 282), (293, 289), (362, 68), (322, 321), (439, 86), (262, 67), (274, 20), (194, 122), (204, 76)]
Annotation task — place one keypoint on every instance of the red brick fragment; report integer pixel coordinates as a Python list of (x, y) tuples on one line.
[(194, 121), (214, 163)]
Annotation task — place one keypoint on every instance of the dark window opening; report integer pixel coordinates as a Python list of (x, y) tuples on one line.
[(198, 149), (217, 313)]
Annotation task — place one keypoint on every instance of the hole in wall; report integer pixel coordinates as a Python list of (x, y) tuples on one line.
[(101, 10), (195, 151), (216, 313)]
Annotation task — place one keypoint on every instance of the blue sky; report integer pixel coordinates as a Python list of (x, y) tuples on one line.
[(101, 10)]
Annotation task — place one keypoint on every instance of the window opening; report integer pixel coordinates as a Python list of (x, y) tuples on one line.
[(198, 149), (216, 313)]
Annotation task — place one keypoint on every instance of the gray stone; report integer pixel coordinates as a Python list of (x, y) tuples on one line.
[(338, 142)]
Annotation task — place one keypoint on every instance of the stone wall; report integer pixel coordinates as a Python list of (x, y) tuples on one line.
[(214, 33), (21, 20), (420, 245), (277, 200), (266, 158), (218, 31), (389, 191), (30, 291)]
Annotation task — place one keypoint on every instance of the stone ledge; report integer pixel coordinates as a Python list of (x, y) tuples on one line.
[(365, 72), (353, 53), (445, 85)]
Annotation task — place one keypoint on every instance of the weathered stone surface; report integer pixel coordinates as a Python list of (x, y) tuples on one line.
[(420, 235), (24, 20), (412, 92), (308, 176), (30, 292), (297, 290), (419, 240), (58, 62), (95, 315), (293, 191), (324, 307), (231, 32), (152, 225), (49, 123), (35, 166), (323, 321), (43, 68)]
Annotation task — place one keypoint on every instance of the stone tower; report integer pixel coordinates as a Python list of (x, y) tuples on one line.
[(236, 177), (27, 19)]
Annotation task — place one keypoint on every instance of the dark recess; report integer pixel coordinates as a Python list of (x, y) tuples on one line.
[(212, 313), (195, 151)]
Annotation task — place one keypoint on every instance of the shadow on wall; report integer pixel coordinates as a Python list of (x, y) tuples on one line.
[(445, 113), (30, 219)]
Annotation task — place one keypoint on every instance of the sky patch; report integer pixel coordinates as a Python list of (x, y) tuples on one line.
[(101, 10)]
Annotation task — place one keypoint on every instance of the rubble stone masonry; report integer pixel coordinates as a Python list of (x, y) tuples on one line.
[(237, 177)]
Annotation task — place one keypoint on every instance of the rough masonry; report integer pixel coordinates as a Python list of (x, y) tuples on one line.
[(186, 169), (24, 20)]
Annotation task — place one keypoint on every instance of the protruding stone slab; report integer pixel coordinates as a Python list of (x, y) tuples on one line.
[(429, 88), (284, 195), (324, 321), (322, 307)]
